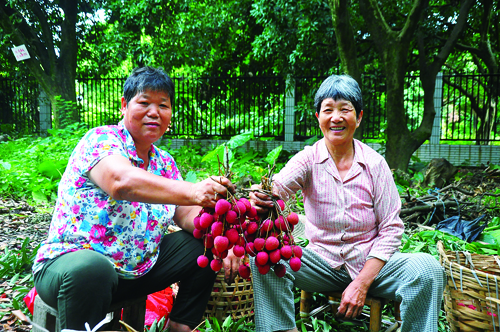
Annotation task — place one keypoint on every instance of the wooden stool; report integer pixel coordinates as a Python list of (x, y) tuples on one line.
[(134, 314), (376, 305)]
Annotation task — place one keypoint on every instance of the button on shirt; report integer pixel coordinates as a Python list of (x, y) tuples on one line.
[(349, 220), (86, 217)]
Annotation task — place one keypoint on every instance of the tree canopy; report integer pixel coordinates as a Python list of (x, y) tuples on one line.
[(388, 39)]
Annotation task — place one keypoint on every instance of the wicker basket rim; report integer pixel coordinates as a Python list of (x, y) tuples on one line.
[(455, 265)]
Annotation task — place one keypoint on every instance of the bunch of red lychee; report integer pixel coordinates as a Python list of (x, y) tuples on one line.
[(222, 228), (234, 223), (273, 241)]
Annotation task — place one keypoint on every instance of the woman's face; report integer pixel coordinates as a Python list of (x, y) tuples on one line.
[(338, 122), (147, 116)]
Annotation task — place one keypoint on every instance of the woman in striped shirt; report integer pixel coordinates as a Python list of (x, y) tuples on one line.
[(352, 211)]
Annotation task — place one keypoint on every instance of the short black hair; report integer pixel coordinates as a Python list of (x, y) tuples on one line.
[(339, 87), (148, 78)]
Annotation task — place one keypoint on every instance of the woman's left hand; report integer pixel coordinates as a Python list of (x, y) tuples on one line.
[(354, 296), (230, 264), (353, 300)]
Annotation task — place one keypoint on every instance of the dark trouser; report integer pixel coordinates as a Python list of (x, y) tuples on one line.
[(83, 284)]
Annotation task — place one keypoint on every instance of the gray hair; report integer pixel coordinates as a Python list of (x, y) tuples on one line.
[(339, 87)]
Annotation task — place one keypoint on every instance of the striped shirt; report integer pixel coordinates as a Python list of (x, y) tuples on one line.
[(349, 220)]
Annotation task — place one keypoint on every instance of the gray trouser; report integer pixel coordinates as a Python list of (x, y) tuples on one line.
[(416, 280)]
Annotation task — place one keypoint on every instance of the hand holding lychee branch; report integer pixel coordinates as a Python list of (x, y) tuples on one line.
[(234, 224), (222, 227)]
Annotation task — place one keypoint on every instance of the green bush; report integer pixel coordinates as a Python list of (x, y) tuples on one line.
[(31, 167)]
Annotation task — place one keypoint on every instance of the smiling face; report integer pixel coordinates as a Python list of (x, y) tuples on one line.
[(147, 116), (338, 122)]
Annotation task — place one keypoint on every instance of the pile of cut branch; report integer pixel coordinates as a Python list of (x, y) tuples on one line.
[(476, 193)]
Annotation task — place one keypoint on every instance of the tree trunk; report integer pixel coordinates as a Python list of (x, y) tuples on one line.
[(53, 54), (399, 145), (341, 18)]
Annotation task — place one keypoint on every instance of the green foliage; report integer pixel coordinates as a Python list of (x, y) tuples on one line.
[(227, 326), (248, 166), (186, 37), (158, 326), (409, 183), (66, 114), (297, 35), (15, 269), (31, 167), (15, 262)]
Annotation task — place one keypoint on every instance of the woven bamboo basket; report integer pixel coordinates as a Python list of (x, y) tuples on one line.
[(471, 296), (235, 300)]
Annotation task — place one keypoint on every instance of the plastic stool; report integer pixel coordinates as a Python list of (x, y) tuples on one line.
[(134, 313), (376, 305)]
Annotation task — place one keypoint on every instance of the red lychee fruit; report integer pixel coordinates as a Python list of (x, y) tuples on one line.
[(280, 270), (221, 243), (202, 261), (259, 243), (231, 216), (249, 248), (216, 265), (232, 235), (246, 202), (252, 227), (206, 220), (264, 269), (272, 243), (240, 208), (297, 251), (275, 256), (295, 263), (222, 206), (262, 258), (281, 204), (244, 271), (252, 212), (196, 223), (198, 234), (286, 252), (217, 228), (238, 251), (293, 218)]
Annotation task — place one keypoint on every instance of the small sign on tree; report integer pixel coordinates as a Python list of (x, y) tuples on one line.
[(21, 52)]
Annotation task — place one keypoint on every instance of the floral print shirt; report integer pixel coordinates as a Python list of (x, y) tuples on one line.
[(85, 217)]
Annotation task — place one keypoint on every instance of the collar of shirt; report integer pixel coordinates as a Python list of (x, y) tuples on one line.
[(130, 144), (358, 162)]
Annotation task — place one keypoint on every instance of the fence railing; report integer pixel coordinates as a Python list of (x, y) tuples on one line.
[(216, 107), (19, 109)]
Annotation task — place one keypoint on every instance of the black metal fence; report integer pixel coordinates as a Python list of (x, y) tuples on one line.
[(216, 107), (19, 106), (470, 108)]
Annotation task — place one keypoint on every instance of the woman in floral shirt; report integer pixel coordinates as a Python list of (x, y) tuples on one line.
[(108, 238)]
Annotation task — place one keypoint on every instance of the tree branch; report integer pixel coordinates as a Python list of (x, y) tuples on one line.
[(22, 33), (412, 20), (47, 53)]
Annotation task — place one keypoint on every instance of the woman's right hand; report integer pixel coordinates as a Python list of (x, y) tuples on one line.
[(207, 192), (261, 201)]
